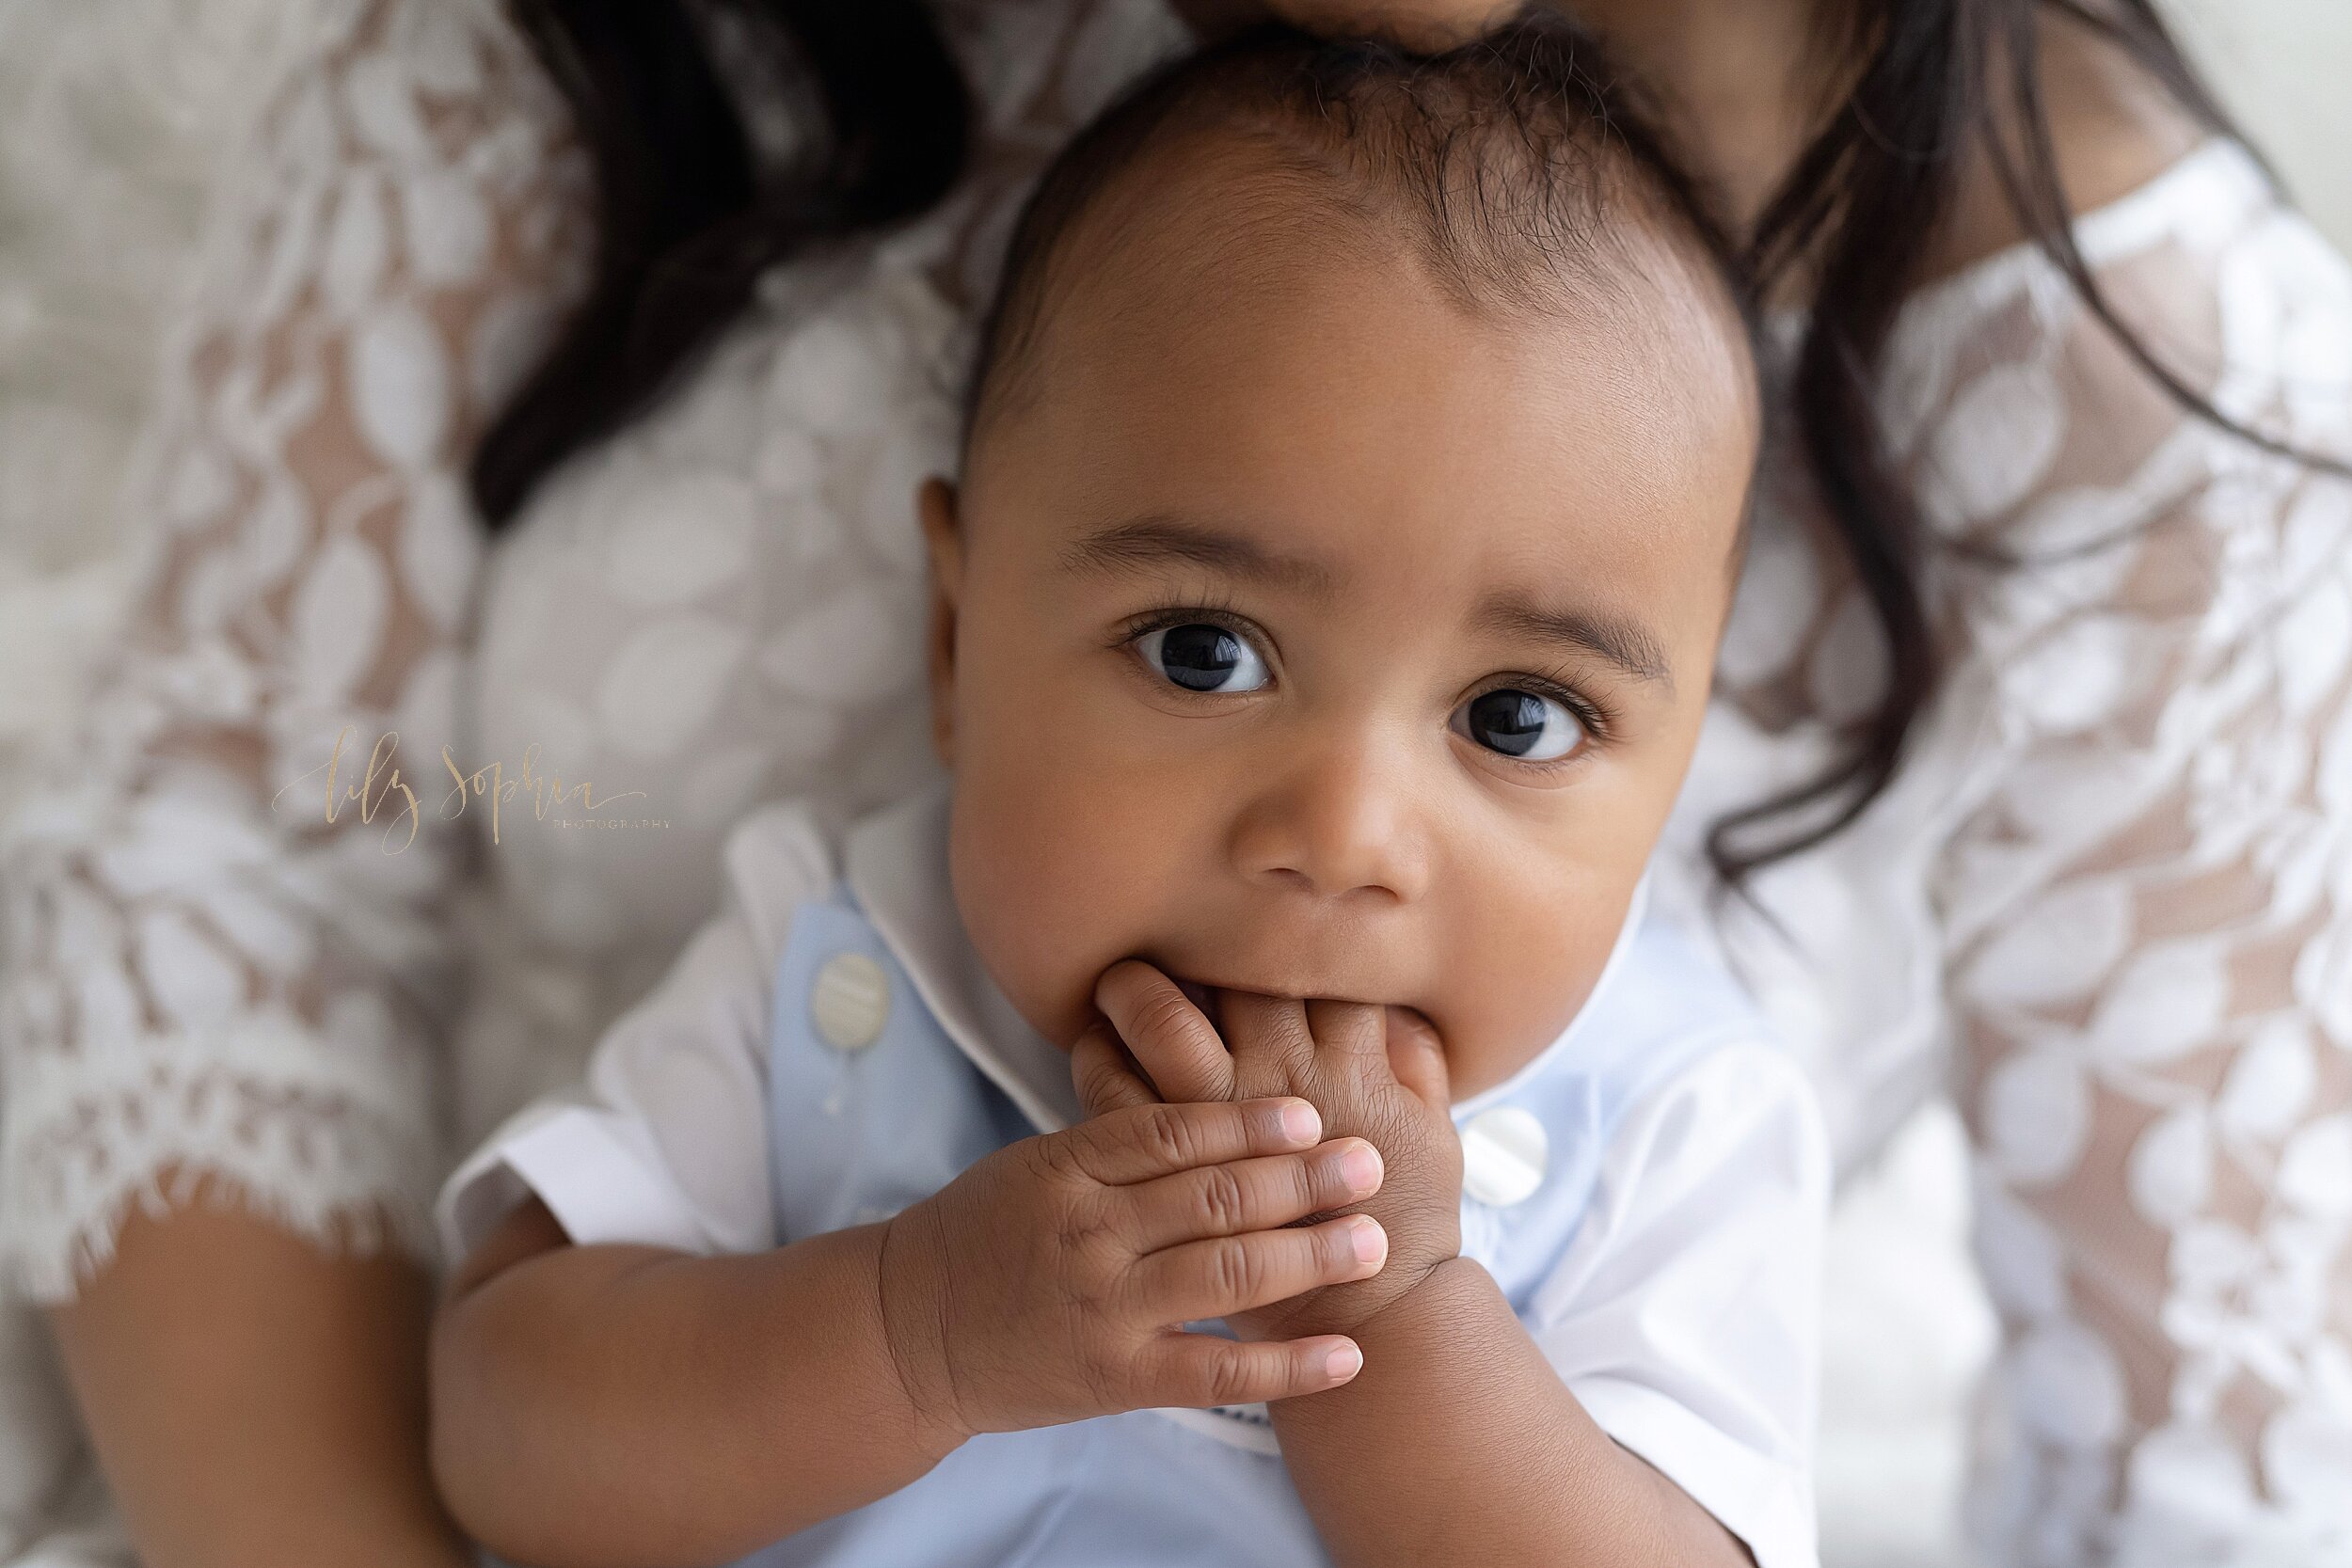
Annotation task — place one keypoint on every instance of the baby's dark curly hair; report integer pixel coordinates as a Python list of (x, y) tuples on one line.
[(1521, 174)]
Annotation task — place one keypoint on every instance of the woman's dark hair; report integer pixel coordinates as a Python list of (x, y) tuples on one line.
[(1856, 215), (690, 218)]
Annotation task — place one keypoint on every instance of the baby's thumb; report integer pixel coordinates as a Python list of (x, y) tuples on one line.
[(1417, 1057)]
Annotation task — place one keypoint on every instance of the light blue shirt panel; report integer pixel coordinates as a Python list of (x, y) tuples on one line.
[(1129, 1490), (1663, 1007), (857, 1134)]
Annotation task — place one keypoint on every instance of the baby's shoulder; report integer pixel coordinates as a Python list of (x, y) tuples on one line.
[(1673, 1026), (1667, 1004), (1670, 1086)]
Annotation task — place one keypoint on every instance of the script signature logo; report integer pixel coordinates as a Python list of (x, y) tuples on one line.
[(381, 785)]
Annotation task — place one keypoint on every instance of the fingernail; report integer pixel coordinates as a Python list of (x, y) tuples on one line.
[(1368, 1240), (1360, 1170), (1301, 1122), (1342, 1362)]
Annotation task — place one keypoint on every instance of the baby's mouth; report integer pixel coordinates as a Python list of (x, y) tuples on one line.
[(1204, 998)]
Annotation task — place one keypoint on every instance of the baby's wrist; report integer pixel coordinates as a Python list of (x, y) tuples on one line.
[(907, 1288), (1434, 1297), (1414, 1305), (1348, 1309)]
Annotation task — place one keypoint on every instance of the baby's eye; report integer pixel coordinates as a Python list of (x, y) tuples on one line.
[(1201, 657), (1521, 725)]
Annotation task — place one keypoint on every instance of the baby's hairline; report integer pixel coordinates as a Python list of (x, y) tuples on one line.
[(1642, 284), (1666, 305), (1519, 164)]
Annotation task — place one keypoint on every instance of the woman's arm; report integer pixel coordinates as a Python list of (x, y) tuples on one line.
[(2148, 907), (224, 1009), (254, 1402)]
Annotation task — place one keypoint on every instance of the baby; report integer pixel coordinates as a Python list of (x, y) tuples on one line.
[(1244, 1115)]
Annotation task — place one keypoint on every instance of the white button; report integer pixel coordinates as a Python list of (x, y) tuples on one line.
[(1504, 1151), (849, 1001)]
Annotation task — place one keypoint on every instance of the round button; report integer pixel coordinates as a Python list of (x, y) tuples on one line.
[(849, 1001), (1504, 1151)]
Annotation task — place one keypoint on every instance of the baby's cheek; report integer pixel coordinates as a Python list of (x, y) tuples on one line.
[(1514, 984), (1044, 880)]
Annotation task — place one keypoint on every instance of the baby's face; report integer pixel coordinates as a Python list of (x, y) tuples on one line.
[(1305, 634)]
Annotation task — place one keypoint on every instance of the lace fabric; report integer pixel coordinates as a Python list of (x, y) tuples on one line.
[(2148, 917), (2113, 886), (2105, 903), (206, 975)]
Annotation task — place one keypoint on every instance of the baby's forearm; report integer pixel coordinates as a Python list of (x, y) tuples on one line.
[(1458, 1443), (626, 1404)]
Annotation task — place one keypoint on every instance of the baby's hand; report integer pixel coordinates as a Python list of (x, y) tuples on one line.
[(1375, 1073), (1046, 1282)]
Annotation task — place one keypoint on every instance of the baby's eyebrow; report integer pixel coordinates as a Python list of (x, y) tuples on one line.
[(1627, 643), (1158, 538)]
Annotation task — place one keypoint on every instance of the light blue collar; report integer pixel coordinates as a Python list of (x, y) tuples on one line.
[(895, 860)]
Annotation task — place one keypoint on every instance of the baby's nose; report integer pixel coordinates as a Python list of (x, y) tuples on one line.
[(1342, 823)]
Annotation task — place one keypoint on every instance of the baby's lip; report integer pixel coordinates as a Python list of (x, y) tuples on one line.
[(1204, 997), (1210, 997)]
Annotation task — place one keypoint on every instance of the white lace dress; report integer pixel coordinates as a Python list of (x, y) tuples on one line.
[(2111, 896)]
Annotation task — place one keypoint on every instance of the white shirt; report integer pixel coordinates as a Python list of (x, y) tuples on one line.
[(1649, 1192)]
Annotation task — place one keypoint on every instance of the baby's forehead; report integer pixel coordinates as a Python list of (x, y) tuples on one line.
[(1213, 230), (1234, 213), (1327, 412), (1219, 259)]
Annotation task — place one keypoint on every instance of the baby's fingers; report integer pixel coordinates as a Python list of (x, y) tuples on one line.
[(1170, 1039), (1140, 1142), (1225, 1274), (1417, 1057), (1105, 1075), (1200, 1369), (1250, 1195)]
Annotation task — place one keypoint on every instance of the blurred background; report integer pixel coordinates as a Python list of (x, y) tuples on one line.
[(116, 112)]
